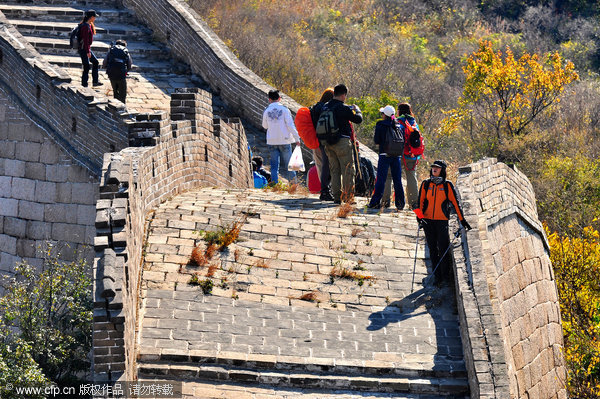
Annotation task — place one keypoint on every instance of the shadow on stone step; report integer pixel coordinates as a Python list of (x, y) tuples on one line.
[(439, 304)]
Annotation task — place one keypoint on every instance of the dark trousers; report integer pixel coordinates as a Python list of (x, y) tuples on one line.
[(85, 61), (119, 88), (325, 175), (436, 234), (383, 165)]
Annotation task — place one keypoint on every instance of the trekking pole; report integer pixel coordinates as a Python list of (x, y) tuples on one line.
[(412, 285), (456, 234)]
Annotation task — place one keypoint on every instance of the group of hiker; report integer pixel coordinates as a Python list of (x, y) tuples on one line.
[(327, 129), (117, 61)]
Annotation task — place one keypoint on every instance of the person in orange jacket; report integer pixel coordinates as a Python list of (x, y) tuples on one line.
[(436, 196)]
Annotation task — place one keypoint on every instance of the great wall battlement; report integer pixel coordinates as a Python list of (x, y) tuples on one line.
[(78, 168)]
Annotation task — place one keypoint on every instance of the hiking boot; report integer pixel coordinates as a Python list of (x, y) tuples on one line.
[(374, 206), (326, 196), (95, 84), (386, 204), (400, 206)]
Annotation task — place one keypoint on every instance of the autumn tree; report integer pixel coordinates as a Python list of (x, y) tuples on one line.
[(576, 262), (503, 95)]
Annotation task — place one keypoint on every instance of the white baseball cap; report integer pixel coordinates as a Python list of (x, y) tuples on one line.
[(388, 110)]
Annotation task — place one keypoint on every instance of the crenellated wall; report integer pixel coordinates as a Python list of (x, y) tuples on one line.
[(193, 151), (510, 319)]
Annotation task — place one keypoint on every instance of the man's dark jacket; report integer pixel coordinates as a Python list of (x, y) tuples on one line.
[(343, 116)]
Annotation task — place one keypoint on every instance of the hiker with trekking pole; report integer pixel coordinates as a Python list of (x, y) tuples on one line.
[(436, 197)]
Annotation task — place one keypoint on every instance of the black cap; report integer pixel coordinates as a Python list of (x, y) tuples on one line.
[(440, 164), (90, 13)]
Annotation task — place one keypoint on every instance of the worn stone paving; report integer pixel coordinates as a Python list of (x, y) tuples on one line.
[(274, 298)]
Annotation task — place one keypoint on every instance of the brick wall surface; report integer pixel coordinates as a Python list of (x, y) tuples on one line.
[(45, 196), (510, 317), (193, 151)]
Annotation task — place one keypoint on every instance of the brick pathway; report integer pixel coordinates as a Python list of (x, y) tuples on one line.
[(274, 301)]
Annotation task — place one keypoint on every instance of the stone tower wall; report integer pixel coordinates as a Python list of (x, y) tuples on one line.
[(45, 195), (194, 151)]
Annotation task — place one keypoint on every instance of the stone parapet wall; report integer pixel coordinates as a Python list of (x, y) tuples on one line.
[(45, 195), (189, 153), (510, 318)]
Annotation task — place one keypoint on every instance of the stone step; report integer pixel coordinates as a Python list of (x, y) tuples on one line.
[(70, 14), (432, 386), (139, 65), (104, 32), (445, 368), (60, 46)]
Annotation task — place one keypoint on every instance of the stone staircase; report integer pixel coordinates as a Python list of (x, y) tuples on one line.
[(305, 303), (46, 24)]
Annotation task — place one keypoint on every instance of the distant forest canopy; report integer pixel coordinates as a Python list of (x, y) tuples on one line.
[(541, 60)]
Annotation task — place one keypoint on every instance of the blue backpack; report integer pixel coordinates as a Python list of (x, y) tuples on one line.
[(259, 180)]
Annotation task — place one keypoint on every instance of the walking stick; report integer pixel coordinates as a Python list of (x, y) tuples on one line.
[(412, 285)]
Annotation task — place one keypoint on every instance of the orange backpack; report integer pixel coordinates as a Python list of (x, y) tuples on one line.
[(306, 129)]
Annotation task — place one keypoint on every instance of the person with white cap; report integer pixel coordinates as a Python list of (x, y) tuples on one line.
[(387, 161)]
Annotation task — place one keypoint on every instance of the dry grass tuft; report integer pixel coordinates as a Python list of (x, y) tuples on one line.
[(237, 254), (343, 272), (344, 210), (210, 251), (356, 231), (261, 263), (198, 257), (312, 296), (211, 270)]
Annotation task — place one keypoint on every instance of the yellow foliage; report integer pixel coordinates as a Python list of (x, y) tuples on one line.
[(503, 94), (576, 262)]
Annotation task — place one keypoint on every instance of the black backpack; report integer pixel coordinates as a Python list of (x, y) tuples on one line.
[(394, 141), (365, 178), (75, 38), (327, 128), (116, 65)]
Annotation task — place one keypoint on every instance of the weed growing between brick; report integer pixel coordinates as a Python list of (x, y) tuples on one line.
[(344, 210), (344, 272), (312, 296)]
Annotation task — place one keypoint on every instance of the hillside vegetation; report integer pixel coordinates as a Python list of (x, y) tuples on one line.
[(512, 79)]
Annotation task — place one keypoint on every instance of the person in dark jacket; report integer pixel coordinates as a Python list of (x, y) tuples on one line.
[(319, 155), (409, 160), (436, 196), (117, 63), (341, 162), (387, 162), (87, 32)]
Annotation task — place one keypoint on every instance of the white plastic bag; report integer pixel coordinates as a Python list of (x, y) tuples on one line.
[(296, 162)]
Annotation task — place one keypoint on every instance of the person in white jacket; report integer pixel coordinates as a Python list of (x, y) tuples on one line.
[(281, 133)]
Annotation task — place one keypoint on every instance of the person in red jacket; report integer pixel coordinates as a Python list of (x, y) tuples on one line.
[(86, 37), (436, 196)]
